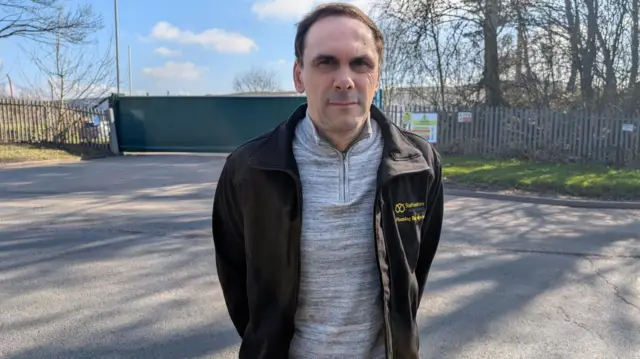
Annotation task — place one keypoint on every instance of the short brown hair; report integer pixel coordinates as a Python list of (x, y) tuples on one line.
[(335, 9)]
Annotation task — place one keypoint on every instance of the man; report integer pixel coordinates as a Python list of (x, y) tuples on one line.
[(325, 227)]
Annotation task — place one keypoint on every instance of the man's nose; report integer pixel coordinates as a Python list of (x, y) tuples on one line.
[(343, 80)]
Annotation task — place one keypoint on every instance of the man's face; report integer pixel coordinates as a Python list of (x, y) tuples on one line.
[(339, 73)]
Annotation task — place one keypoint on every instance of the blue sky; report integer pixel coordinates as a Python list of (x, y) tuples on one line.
[(190, 46)]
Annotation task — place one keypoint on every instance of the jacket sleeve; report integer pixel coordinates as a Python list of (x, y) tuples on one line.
[(432, 225), (228, 238)]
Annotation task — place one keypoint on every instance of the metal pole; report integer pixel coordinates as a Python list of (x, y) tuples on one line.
[(130, 83), (115, 10)]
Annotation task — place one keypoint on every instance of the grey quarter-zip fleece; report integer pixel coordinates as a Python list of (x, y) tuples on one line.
[(339, 313)]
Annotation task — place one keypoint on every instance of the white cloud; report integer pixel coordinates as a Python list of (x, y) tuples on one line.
[(176, 71), (280, 63), (287, 10), (163, 51), (214, 39)]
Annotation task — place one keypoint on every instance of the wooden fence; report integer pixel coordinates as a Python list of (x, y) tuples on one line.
[(535, 134), (42, 122)]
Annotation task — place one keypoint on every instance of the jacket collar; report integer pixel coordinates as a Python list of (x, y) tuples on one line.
[(399, 154)]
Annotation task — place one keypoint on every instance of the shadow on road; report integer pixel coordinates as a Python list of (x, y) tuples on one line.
[(196, 343), (114, 258), (109, 176), (510, 272)]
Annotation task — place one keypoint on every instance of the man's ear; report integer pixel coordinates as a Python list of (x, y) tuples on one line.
[(297, 76)]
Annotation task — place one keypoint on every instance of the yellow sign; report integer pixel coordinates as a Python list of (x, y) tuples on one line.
[(424, 124)]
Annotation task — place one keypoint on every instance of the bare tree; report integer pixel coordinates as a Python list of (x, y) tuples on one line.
[(77, 75), (75, 72), (394, 71), (43, 21), (429, 53), (256, 79)]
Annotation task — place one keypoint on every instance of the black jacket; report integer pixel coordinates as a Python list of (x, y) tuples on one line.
[(256, 232)]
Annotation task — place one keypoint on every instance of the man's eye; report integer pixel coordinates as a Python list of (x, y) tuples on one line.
[(360, 64)]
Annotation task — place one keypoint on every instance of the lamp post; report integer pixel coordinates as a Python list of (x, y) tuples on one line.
[(115, 10), (130, 80)]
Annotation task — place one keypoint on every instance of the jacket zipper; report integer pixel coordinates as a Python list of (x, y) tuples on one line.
[(343, 194), (388, 353), (343, 179), (296, 180), (384, 311)]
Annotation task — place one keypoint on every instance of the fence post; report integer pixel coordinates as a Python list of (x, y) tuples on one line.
[(113, 136)]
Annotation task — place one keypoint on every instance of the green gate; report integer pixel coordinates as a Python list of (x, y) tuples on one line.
[(196, 124)]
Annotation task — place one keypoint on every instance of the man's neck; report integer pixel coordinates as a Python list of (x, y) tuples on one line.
[(343, 140)]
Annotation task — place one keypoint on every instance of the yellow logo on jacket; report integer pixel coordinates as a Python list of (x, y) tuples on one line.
[(409, 211)]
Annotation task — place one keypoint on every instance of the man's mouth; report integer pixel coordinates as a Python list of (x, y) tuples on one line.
[(343, 104)]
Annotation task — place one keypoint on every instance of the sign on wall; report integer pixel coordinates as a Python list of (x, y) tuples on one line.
[(424, 124), (465, 117)]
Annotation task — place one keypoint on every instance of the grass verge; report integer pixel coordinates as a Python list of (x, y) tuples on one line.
[(589, 181), (16, 153)]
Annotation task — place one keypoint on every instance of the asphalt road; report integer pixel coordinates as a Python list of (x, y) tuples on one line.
[(114, 259)]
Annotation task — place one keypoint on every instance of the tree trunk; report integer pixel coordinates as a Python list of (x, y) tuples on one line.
[(589, 53), (573, 22), (491, 80), (635, 46)]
